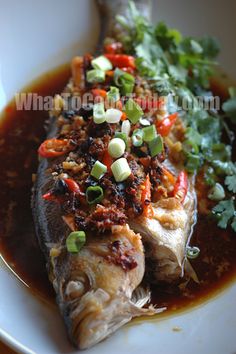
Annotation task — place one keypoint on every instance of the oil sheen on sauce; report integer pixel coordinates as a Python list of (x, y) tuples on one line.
[(20, 135)]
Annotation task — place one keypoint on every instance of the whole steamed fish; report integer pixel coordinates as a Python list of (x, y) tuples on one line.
[(101, 197)]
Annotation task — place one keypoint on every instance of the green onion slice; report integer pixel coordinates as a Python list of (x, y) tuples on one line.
[(156, 146), (98, 170), (126, 127), (124, 80), (192, 252), (113, 115), (114, 94), (75, 241), (95, 75), (149, 133), (137, 137), (133, 111), (145, 122), (99, 116), (94, 194), (116, 147), (121, 170), (217, 192), (122, 136), (127, 87), (101, 63)]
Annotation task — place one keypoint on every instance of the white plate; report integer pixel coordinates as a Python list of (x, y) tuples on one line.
[(34, 37)]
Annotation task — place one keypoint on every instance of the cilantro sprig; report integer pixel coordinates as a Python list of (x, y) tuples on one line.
[(181, 67), (229, 107), (226, 213)]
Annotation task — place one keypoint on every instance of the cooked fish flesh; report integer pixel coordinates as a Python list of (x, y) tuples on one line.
[(166, 235)]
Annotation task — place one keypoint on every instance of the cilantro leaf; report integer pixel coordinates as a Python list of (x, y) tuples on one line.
[(177, 73), (230, 182), (233, 225), (222, 168), (168, 38), (229, 107), (193, 136), (225, 212), (210, 47), (221, 152)]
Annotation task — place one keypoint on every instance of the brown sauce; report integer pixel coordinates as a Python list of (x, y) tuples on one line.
[(20, 135)]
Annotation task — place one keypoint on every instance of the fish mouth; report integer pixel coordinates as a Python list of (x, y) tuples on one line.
[(97, 314)]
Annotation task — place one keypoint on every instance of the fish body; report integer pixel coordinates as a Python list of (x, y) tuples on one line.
[(97, 290), (100, 287)]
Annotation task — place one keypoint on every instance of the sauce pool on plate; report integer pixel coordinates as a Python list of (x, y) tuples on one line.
[(20, 135)]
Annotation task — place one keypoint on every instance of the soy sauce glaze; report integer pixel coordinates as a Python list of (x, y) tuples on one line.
[(20, 136)]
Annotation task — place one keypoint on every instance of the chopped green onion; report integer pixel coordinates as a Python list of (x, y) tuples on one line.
[(113, 95), (149, 133), (133, 111), (113, 115), (126, 127), (145, 122), (217, 192), (94, 194), (117, 76), (137, 137), (95, 75), (124, 80), (121, 170), (122, 136), (116, 147), (192, 252), (156, 146), (101, 63), (98, 170), (75, 241), (127, 87), (99, 113)]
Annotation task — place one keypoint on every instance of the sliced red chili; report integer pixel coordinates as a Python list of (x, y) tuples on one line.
[(107, 160), (99, 93), (129, 70), (72, 185), (53, 148), (181, 186), (110, 73), (121, 60), (75, 188), (145, 161), (168, 176), (124, 116), (113, 48), (51, 197), (164, 126), (48, 196), (146, 197)]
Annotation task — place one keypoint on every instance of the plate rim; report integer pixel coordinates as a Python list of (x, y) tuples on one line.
[(13, 343)]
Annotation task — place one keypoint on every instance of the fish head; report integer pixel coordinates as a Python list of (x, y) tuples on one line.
[(96, 294)]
